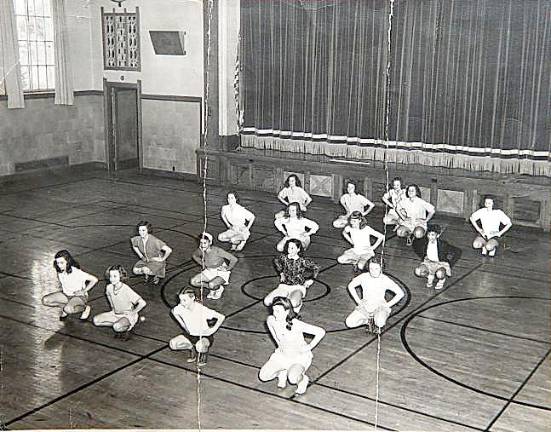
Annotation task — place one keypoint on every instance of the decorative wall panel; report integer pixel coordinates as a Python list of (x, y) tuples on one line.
[(321, 185), (526, 209), (264, 178), (121, 40), (450, 201)]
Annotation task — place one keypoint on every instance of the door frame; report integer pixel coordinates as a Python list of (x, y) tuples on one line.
[(109, 130)]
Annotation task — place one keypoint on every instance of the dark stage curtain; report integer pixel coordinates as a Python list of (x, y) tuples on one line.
[(470, 81)]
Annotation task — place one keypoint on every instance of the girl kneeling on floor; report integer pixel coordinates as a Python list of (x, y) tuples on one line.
[(293, 355)]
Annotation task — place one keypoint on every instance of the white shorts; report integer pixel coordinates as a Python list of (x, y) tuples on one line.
[(367, 309), (211, 273), (357, 256), (283, 290), (236, 231), (391, 215), (433, 266), (113, 317), (280, 360), (341, 221), (411, 224)]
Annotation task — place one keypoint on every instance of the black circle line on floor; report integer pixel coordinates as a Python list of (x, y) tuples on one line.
[(452, 380), (189, 267), (165, 283), (244, 291)]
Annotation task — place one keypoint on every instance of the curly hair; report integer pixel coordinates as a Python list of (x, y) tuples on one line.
[(297, 181), (71, 262), (145, 224), (397, 179), (352, 182), (117, 267), (297, 243)]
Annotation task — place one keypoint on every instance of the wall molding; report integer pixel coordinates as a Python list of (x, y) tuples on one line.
[(51, 94), (169, 174), (172, 98), (64, 170)]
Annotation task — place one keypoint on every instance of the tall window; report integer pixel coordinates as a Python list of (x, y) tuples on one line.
[(35, 34)]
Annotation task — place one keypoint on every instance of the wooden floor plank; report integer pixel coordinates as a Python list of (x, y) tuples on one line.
[(486, 331)]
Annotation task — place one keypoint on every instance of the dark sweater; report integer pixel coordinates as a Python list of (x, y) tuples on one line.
[(446, 252)]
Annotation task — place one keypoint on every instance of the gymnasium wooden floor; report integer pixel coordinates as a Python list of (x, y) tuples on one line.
[(474, 356)]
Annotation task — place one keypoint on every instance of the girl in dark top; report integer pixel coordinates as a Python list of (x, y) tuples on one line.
[(296, 275)]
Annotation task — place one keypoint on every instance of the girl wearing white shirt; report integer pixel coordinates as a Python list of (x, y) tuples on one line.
[(198, 322), (359, 233), (75, 284), (415, 213), (293, 192), (392, 199), (295, 226), (293, 355), (488, 221), (372, 307), (125, 304), (352, 202), (238, 220)]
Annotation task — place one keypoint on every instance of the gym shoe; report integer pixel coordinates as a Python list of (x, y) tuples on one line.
[(85, 313), (218, 293), (492, 252), (192, 356), (202, 359), (429, 284), (301, 387), (282, 379), (440, 284), (124, 336), (484, 251)]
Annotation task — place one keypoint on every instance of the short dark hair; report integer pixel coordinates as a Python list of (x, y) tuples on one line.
[(145, 224), (357, 215), (352, 182), (187, 290), (71, 262), (434, 228), (119, 268), (377, 259), (235, 194), (297, 206), (297, 180), (488, 196), (297, 243), (397, 179)]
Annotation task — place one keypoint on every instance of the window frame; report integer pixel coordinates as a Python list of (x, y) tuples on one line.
[(41, 68)]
